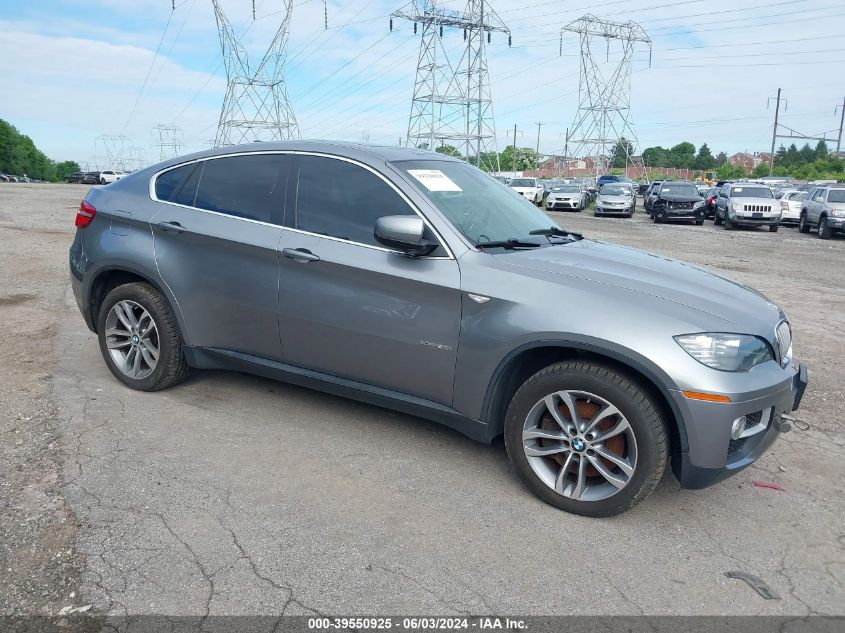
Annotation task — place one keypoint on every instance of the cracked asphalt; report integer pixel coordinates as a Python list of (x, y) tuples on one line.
[(232, 494)]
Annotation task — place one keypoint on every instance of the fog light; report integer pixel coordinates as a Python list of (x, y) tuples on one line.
[(737, 427)]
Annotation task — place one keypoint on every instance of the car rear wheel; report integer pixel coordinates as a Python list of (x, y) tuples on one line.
[(824, 229), (803, 225), (139, 338), (586, 439), (717, 219), (773, 228), (729, 226)]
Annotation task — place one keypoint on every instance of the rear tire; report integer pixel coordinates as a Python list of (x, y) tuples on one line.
[(729, 226), (717, 219), (170, 367), (803, 225), (773, 228), (570, 478)]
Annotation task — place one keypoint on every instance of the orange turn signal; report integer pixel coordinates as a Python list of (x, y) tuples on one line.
[(707, 397)]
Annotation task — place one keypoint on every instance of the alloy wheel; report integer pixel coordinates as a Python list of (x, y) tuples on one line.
[(580, 445), (132, 339)]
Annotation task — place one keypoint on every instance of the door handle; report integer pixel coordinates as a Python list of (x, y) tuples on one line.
[(300, 254), (171, 227)]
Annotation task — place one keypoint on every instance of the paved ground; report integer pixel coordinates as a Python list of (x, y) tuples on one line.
[(237, 495)]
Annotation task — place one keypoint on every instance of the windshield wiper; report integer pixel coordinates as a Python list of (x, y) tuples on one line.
[(509, 243), (554, 230)]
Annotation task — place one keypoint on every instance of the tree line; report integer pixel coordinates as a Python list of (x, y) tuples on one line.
[(19, 156)]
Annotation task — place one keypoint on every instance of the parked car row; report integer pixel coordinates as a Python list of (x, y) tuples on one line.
[(95, 177), (12, 178)]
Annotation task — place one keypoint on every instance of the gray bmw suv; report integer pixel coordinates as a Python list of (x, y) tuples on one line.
[(413, 281)]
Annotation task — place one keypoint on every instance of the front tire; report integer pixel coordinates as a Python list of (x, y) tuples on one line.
[(139, 338), (824, 229), (717, 219), (773, 228), (598, 462)]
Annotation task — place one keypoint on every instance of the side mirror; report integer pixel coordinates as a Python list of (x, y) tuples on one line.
[(403, 233)]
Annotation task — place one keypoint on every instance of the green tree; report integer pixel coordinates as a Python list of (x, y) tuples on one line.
[(682, 155), (780, 156), (721, 159), (520, 159), (18, 155), (726, 171), (654, 157), (761, 170), (621, 154), (704, 159), (792, 156), (807, 154), (65, 168), (449, 150), (821, 150)]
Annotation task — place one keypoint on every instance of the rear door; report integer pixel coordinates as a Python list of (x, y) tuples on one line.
[(216, 242), (350, 307)]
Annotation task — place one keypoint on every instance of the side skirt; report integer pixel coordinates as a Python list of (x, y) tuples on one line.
[(214, 358)]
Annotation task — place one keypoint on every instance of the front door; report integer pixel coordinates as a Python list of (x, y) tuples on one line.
[(216, 243), (352, 308)]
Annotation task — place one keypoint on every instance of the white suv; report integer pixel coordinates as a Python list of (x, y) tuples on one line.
[(110, 176), (529, 188)]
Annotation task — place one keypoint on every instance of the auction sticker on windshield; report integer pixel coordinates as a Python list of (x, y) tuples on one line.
[(434, 180)]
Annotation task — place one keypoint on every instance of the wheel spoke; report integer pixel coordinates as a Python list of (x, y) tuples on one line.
[(620, 427), (612, 457), (120, 309), (568, 400), (148, 357), (112, 344), (560, 481), (538, 433), (551, 406), (113, 331), (581, 482), (136, 363), (614, 478), (545, 451), (607, 411)]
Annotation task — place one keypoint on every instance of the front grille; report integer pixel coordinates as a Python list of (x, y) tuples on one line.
[(680, 205), (757, 208), (784, 336), (753, 419)]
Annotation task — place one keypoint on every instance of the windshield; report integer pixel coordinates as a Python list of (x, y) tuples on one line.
[(615, 190), (567, 189), (480, 208), (678, 189), (523, 182), (751, 192), (836, 195)]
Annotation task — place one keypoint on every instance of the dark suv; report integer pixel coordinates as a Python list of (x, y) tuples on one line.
[(412, 280), (676, 200)]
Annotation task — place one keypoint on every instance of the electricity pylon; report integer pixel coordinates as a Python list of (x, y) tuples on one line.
[(169, 141), (452, 103), (114, 148), (256, 106), (604, 98)]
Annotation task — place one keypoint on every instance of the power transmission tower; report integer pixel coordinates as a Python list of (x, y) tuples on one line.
[(114, 148), (137, 158), (169, 141), (256, 106), (452, 102), (604, 98)]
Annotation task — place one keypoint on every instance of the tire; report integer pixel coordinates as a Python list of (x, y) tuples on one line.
[(170, 367), (773, 228), (103, 181), (824, 230), (729, 226), (699, 222), (803, 225), (717, 219), (648, 450)]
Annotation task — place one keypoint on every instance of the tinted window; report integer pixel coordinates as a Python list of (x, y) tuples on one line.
[(836, 195), (678, 189), (168, 182), (244, 186), (343, 200), (186, 192)]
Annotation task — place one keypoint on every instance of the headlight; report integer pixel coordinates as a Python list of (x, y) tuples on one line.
[(838, 213), (726, 352), (698, 204)]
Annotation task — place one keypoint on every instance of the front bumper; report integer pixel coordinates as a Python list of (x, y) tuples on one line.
[(712, 456), (836, 223), (563, 204), (750, 220), (613, 209)]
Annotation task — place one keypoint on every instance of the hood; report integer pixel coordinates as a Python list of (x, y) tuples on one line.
[(672, 280), (676, 197), (525, 189), (757, 201), (605, 198)]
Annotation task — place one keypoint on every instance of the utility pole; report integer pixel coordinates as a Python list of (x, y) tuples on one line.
[(513, 157), (841, 121), (774, 135), (539, 124)]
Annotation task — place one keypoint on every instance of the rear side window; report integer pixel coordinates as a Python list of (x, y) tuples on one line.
[(244, 186), (343, 200), (168, 183)]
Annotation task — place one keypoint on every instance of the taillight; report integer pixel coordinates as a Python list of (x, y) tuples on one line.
[(712, 198), (85, 215)]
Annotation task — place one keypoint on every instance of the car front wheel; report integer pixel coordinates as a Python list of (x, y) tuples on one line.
[(586, 439), (139, 338), (803, 225), (824, 229)]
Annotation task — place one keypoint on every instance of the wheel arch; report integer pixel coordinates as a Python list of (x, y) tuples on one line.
[(110, 277), (527, 359)]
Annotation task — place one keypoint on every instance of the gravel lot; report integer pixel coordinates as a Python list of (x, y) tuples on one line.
[(232, 494)]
